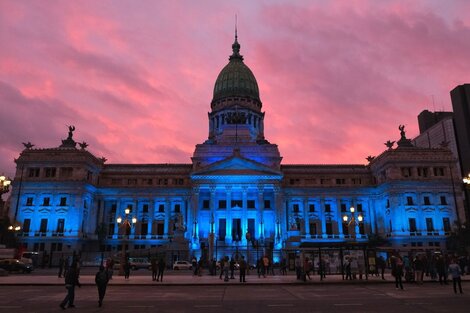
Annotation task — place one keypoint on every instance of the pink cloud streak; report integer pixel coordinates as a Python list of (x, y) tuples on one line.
[(336, 78)]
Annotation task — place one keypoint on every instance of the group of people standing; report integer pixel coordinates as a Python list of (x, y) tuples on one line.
[(415, 270)]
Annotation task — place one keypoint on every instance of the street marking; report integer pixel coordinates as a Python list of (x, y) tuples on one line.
[(140, 306), (277, 305)]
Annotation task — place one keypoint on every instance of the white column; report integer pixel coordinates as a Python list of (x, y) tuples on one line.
[(244, 214), (167, 218), (228, 218), (323, 217), (261, 211)]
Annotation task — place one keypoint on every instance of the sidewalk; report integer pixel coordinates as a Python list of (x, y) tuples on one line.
[(206, 280)]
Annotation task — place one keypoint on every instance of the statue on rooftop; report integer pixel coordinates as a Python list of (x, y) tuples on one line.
[(28, 145), (71, 130), (402, 131)]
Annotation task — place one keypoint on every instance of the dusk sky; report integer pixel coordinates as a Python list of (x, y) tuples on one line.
[(336, 78)]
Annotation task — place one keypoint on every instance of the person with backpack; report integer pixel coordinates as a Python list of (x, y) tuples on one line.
[(397, 270), (161, 269), (101, 281)]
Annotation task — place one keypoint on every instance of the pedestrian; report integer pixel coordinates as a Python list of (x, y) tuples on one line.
[(232, 268), (283, 266), (127, 269), (397, 270), (61, 266), (243, 267), (354, 267), (161, 269), (265, 265), (347, 268), (259, 267), (101, 281), (154, 266), (66, 266), (226, 268), (221, 265), (382, 265), (418, 268), (441, 269), (200, 266), (194, 265), (455, 271), (71, 280)]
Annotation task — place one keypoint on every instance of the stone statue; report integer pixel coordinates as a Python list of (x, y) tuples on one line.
[(402, 131), (71, 130), (83, 145), (103, 159), (28, 145), (389, 144), (370, 158)]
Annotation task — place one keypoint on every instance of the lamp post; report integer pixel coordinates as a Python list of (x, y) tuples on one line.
[(466, 181), (248, 239), (355, 218), (126, 222)]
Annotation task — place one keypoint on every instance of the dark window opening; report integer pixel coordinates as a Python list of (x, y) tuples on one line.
[(222, 204), (250, 204), (267, 204)]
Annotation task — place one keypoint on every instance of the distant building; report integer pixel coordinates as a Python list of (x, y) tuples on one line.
[(236, 196)]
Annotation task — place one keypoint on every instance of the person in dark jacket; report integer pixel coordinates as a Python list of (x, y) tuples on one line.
[(101, 281), (71, 280), (154, 265), (161, 269), (127, 269), (243, 267)]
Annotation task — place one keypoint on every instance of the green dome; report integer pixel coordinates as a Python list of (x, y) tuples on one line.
[(236, 79)]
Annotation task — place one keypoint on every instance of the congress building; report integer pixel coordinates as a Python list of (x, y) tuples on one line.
[(235, 197)]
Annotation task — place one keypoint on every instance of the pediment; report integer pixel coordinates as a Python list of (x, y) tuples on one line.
[(236, 166)]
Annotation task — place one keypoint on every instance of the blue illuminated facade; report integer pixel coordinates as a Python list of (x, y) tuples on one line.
[(235, 196)]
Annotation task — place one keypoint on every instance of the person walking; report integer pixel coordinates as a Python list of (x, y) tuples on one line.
[(455, 271), (161, 269), (127, 269), (71, 280), (243, 267), (441, 269), (101, 281), (232, 268), (154, 266), (265, 265), (61, 266), (397, 270), (418, 268), (307, 269), (221, 265), (226, 268), (283, 267), (382, 265)]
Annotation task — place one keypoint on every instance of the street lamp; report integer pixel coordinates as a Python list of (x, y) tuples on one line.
[(248, 239), (126, 222), (356, 220)]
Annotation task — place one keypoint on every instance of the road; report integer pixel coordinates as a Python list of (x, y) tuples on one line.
[(381, 298)]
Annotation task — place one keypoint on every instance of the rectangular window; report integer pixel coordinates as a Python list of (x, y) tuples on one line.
[(427, 201), (429, 224), (343, 207), (160, 229), (387, 204), (406, 171), (43, 227), (443, 200), (422, 171), (311, 207), (329, 228), (267, 204), (323, 181), (205, 204), (110, 229), (29, 201), (132, 181), (250, 204), (49, 171), (66, 172), (296, 208), (356, 181), (26, 225), (236, 203), (161, 208), (177, 208), (33, 172), (222, 229), (409, 200), (327, 208), (148, 181), (236, 229), (63, 201), (359, 207), (116, 181), (251, 228), (446, 224), (345, 228), (340, 181), (412, 225), (438, 171), (145, 208), (46, 201), (313, 228), (222, 204), (60, 225), (144, 228)]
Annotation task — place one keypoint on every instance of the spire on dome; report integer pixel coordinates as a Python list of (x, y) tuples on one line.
[(236, 45)]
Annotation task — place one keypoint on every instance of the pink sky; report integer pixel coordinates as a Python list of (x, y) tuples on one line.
[(136, 77)]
